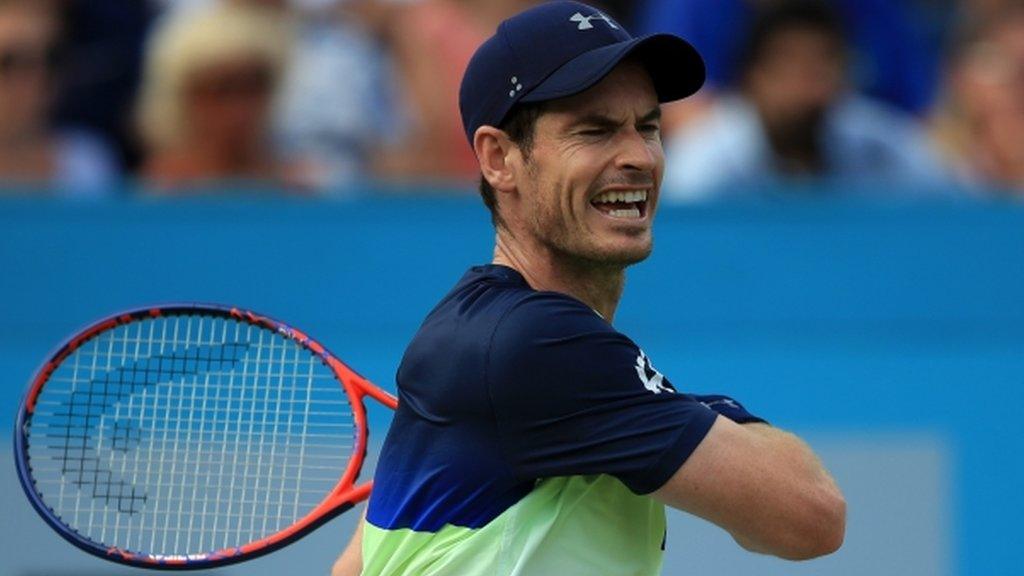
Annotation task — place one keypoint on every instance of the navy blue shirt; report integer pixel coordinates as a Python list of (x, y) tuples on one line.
[(504, 385)]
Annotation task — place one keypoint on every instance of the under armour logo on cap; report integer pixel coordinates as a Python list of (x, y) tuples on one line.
[(533, 57), (584, 21)]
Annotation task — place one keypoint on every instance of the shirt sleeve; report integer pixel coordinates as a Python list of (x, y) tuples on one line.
[(573, 396)]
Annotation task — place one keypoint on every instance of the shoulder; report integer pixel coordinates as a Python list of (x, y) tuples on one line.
[(463, 324), (549, 314), (554, 346), (724, 146), (493, 308), (869, 133), (862, 116), (549, 326)]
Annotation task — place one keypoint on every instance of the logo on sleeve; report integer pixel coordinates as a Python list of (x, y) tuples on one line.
[(651, 378), (727, 402)]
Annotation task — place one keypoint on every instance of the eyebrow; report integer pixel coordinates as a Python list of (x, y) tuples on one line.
[(602, 120), (654, 114), (596, 119)]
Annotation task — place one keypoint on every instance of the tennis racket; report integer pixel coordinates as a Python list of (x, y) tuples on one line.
[(192, 436)]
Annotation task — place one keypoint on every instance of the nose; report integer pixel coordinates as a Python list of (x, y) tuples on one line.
[(639, 152)]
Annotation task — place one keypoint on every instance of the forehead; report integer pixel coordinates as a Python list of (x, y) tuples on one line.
[(626, 91), (797, 38), (23, 18)]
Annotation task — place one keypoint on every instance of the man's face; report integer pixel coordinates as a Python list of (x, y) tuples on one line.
[(589, 185), (227, 103), (27, 36), (797, 77)]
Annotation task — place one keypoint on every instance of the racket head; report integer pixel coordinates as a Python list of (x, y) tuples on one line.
[(157, 434)]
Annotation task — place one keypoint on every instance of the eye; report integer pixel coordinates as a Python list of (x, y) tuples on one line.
[(650, 128), (594, 132)]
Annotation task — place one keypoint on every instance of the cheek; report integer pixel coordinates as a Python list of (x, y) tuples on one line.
[(547, 186), (562, 179), (31, 92), (579, 177), (582, 171), (242, 116), (657, 151)]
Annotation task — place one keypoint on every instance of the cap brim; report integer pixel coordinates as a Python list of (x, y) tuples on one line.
[(676, 68)]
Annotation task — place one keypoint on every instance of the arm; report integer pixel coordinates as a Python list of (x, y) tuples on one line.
[(350, 563), (765, 487), (621, 417)]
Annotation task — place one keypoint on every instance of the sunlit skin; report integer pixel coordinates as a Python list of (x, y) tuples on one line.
[(607, 138)]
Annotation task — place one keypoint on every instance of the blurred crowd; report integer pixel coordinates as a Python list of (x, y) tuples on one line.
[(893, 97)]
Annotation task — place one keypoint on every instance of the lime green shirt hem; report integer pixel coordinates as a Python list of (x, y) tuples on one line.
[(590, 525)]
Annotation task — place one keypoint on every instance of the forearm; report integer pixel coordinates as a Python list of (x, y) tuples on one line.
[(795, 523), (793, 446), (765, 487)]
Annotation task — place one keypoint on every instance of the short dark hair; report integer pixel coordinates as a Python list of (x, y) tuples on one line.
[(787, 15), (519, 124)]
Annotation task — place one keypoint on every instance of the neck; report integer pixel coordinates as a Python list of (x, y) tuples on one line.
[(597, 286)]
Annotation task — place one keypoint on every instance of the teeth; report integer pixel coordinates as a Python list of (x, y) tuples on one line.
[(627, 213), (631, 196)]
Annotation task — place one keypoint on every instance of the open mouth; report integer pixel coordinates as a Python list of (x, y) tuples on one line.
[(630, 205)]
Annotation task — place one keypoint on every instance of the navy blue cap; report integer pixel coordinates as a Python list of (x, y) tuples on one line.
[(558, 49)]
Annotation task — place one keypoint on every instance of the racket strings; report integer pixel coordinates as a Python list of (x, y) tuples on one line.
[(185, 434), (84, 405)]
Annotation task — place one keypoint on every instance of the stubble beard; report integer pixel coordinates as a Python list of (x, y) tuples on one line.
[(580, 249)]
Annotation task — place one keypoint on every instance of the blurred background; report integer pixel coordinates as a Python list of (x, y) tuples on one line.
[(840, 242)]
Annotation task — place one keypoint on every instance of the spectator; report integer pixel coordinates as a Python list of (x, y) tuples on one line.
[(980, 124), (338, 104), (432, 41), (891, 57), (335, 107), (31, 151), (975, 12), (209, 86), (795, 117), (102, 63)]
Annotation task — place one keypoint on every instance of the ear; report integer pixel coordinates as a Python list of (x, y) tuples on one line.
[(493, 147)]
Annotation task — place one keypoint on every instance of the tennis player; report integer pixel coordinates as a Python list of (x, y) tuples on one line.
[(532, 438)]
